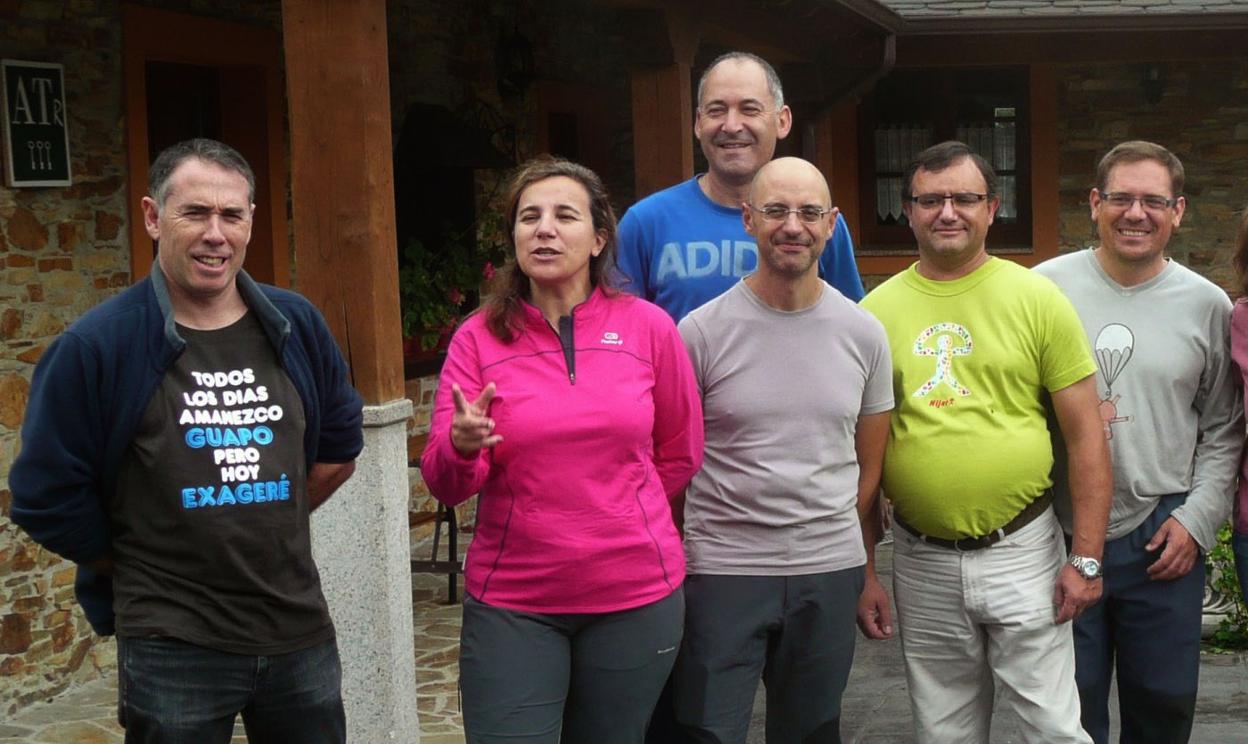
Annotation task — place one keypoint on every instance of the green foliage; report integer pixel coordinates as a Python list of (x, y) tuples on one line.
[(1232, 634), (438, 284)]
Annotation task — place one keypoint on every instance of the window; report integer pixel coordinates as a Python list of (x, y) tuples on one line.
[(911, 109)]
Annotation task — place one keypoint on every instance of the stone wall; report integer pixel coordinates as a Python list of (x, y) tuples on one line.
[(1199, 111), (1201, 116), (62, 251)]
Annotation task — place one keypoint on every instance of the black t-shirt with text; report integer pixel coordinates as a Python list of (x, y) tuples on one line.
[(211, 541)]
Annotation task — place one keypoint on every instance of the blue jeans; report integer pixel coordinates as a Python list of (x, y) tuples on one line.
[(1148, 633), (172, 692), (1239, 546)]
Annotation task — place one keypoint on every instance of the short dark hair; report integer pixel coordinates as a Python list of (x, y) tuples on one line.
[(504, 315), (773, 78), (941, 156), (1135, 151), (200, 148)]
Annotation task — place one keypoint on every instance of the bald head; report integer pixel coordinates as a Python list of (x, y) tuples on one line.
[(790, 216), (789, 174)]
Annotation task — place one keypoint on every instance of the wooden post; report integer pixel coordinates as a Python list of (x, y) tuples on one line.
[(342, 171), (836, 155), (663, 109), (1045, 204), (342, 182), (662, 128)]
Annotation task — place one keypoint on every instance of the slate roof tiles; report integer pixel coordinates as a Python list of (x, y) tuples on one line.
[(1024, 8)]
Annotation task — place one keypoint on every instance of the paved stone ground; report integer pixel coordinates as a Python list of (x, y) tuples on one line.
[(85, 715), (88, 714), (876, 706), (436, 626)]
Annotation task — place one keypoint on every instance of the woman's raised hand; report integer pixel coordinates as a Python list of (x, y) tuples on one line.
[(472, 428)]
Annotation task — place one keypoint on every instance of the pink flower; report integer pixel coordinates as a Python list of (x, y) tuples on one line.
[(455, 296), (488, 270)]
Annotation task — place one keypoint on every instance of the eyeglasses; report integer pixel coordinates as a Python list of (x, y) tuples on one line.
[(963, 199), (809, 214), (1151, 202)]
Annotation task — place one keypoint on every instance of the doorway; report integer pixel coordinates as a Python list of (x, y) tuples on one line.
[(188, 76)]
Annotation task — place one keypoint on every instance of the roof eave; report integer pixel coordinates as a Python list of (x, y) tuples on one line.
[(1050, 23), (876, 13)]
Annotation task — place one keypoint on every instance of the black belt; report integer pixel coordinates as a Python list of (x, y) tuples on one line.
[(1020, 520)]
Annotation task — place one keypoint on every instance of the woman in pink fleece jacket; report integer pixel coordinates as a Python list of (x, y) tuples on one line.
[(1239, 353), (573, 412)]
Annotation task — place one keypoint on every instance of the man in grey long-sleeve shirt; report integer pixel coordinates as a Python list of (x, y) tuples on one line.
[(1160, 334)]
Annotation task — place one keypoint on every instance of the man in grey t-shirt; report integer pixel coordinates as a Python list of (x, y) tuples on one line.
[(1170, 410), (796, 385)]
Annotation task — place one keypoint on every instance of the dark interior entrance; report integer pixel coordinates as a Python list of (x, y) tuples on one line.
[(188, 76), (185, 101)]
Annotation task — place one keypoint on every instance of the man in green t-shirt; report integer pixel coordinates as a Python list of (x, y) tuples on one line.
[(984, 590)]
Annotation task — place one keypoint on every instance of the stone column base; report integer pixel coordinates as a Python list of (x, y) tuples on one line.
[(360, 542)]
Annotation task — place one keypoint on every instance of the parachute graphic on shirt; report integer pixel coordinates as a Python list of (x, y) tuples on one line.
[(1113, 346)]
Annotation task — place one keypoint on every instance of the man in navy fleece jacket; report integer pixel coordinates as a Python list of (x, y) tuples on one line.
[(177, 438)]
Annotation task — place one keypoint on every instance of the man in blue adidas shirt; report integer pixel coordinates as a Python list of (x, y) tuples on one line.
[(686, 245)]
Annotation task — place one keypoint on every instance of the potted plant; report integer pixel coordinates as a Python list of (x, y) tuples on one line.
[(439, 284)]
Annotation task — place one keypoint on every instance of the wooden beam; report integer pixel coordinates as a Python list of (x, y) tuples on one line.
[(1045, 200), (662, 128), (342, 180), (663, 109), (684, 31), (836, 155), (838, 159)]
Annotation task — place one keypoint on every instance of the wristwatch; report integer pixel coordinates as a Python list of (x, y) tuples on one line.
[(1088, 567)]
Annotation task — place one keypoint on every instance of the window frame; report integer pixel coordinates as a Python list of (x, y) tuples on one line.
[(934, 92)]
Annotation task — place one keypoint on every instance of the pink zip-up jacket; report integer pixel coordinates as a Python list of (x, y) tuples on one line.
[(1239, 353), (601, 425)]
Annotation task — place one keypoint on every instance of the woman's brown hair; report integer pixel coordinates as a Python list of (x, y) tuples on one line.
[(1240, 261), (504, 313)]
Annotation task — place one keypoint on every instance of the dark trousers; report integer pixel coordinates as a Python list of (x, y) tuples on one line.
[(532, 678), (1239, 547), (663, 728), (795, 632), (1149, 633), (172, 692)]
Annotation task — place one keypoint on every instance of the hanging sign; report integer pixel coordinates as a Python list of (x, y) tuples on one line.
[(36, 138)]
